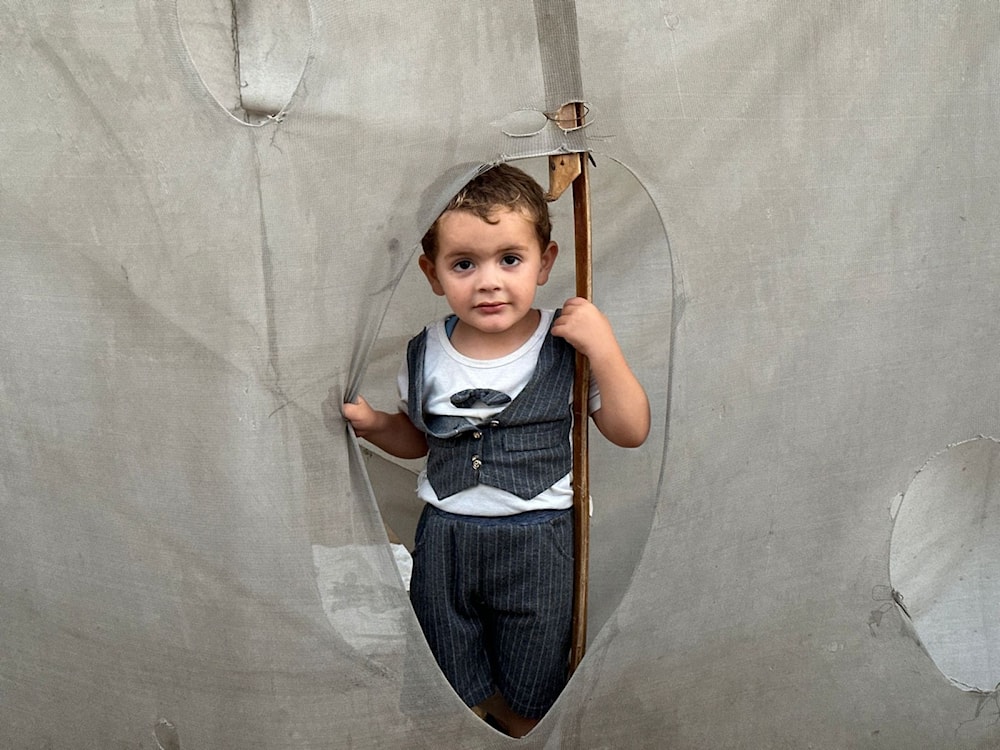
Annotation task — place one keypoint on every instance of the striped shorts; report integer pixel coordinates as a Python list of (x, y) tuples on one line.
[(494, 597)]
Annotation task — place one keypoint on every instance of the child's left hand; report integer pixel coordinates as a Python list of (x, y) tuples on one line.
[(624, 414), (583, 325)]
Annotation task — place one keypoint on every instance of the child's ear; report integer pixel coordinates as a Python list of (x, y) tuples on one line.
[(427, 266), (548, 260)]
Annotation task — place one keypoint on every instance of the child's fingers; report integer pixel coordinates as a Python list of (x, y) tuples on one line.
[(353, 411), (331, 414), (574, 302)]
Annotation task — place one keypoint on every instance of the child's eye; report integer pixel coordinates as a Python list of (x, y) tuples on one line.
[(463, 265), (509, 260)]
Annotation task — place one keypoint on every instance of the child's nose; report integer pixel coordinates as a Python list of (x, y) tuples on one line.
[(489, 278)]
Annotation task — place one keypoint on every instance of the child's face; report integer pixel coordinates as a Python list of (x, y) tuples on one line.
[(489, 272)]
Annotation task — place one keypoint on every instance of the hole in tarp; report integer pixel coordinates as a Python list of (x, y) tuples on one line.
[(944, 561), (522, 123), (632, 286), (250, 54), (165, 734)]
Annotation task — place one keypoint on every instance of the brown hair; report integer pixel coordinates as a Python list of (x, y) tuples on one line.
[(500, 187)]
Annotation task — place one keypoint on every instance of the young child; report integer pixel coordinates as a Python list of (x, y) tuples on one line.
[(487, 396)]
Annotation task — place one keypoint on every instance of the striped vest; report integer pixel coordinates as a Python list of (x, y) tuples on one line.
[(523, 449)]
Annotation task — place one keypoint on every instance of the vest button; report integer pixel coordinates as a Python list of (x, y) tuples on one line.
[(494, 423), (477, 435), (477, 463)]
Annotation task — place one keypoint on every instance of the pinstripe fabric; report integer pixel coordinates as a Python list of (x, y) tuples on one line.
[(524, 449), (494, 597)]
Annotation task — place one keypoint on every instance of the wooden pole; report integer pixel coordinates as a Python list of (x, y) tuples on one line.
[(581, 420), (572, 169)]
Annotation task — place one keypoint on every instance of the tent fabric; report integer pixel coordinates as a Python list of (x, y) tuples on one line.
[(794, 238)]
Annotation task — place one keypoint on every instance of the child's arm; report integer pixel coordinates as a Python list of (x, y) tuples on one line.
[(393, 433), (624, 414)]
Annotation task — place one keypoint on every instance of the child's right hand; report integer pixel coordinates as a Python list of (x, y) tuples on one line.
[(393, 433), (361, 415)]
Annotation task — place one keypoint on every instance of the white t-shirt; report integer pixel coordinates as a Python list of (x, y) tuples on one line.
[(447, 371)]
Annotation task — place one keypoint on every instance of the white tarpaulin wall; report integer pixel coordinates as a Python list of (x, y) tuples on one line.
[(190, 554)]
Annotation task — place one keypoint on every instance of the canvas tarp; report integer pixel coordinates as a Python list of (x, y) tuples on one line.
[(795, 238)]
